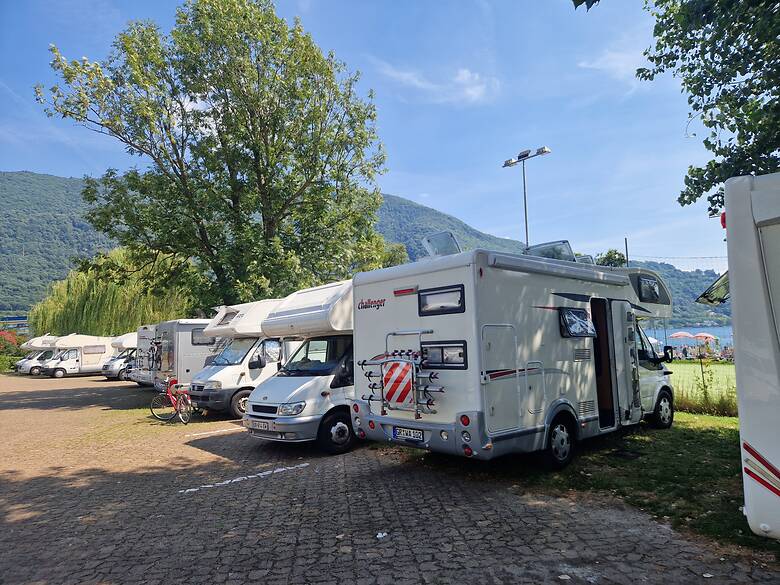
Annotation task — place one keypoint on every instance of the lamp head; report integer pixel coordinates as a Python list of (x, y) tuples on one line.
[(523, 154), (543, 150)]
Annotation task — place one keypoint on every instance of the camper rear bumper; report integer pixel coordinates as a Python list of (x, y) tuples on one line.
[(448, 438)]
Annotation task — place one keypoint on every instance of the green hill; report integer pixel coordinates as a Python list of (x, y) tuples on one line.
[(42, 229)]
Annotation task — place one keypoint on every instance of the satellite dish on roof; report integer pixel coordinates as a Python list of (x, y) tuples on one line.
[(441, 244)]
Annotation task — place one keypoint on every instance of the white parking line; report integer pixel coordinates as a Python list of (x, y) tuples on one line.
[(244, 478), (230, 430)]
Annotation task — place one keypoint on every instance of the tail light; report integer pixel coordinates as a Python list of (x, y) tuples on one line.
[(723, 220), (361, 434), (355, 407), (468, 451), (465, 420), (371, 425)]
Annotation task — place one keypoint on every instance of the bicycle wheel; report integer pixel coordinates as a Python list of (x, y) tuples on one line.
[(184, 408), (162, 408)]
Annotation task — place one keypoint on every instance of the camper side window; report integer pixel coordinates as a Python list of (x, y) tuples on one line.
[(576, 323), (197, 338), (441, 300), (444, 355), (649, 289), (94, 349)]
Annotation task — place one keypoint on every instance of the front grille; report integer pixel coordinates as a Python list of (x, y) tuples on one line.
[(196, 388), (266, 408)]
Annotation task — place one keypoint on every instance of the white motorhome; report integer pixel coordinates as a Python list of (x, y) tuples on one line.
[(247, 358), (753, 235), (78, 355), (41, 349), (307, 399), (181, 349), (143, 364), (125, 347), (485, 353)]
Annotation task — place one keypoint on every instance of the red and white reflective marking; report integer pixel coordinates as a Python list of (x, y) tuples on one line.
[(761, 470), (397, 381)]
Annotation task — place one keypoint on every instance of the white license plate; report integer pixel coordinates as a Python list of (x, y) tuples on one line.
[(402, 433), (258, 425)]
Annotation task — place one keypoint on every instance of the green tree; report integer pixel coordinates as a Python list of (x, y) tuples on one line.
[(262, 154), (86, 302), (727, 56), (611, 257)]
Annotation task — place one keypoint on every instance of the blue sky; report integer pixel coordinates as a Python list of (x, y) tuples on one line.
[(460, 86)]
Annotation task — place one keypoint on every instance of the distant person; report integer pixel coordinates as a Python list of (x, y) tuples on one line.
[(685, 352)]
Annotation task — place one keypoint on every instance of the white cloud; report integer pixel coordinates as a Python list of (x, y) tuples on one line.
[(621, 59), (463, 87)]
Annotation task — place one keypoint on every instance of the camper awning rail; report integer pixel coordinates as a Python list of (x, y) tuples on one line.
[(563, 269)]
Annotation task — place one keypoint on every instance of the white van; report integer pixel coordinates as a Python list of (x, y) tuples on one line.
[(484, 353), (753, 282), (125, 347), (307, 399), (180, 350), (78, 355), (142, 367), (246, 359), (41, 350)]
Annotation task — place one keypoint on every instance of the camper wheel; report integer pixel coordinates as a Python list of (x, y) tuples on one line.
[(121, 376), (59, 373), (336, 435), (560, 443), (663, 415), (35, 370), (239, 402)]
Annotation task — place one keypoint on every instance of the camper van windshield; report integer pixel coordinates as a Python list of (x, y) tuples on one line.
[(318, 356), (235, 351)]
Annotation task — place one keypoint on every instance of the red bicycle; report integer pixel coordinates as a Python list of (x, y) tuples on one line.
[(175, 401)]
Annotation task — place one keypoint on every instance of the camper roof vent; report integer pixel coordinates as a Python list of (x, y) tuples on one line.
[(441, 244), (558, 250)]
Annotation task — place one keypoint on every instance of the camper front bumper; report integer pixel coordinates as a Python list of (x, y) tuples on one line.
[(210, 399), (456, 438), (290, 429)]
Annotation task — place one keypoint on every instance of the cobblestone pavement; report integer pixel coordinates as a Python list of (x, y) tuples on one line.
[(93, 491)]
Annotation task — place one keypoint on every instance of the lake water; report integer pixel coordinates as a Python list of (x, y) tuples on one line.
[(725, 334)]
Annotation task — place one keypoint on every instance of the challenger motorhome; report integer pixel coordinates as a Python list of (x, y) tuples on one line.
[(41, 350), (78, 355), (753, 235), (484, 353), (307, 399), (125, 346), (146, 354), (247, 358), (180, 351)]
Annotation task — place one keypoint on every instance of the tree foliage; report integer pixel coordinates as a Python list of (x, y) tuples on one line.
[(86, 302), (261, 152), (611, 257), (727, 56)]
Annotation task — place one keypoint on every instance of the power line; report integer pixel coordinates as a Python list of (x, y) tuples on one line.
[(681, 257)]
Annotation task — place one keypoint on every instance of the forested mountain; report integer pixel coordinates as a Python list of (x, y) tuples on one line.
[(42, 229)]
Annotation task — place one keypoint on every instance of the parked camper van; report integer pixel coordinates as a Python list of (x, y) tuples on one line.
[(125, 347), (41, 350), (143, 366), (180, 351), (247, 358), (78, 355), (307, 399), (484, 353), (753, 231)]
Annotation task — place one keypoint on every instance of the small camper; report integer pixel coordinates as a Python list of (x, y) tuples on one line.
[(125, 347), (753, 234), (307, 399), (180, 350), (484, 353), (246, 359), (143, 364), (41, 349), (78, 355)]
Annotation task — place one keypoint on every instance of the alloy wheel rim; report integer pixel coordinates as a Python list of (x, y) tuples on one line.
[(560, 442), (665, 410), (339, 433), (242, 402)]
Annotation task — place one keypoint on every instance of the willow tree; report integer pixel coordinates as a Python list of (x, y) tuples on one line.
[(87, 302), (260, 151)]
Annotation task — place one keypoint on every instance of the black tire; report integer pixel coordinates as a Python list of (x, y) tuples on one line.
[(238, 403), (58, 373), (336, 435), (559, 450), (663, 414), (184, 408), (121, 376), (35, 371), (162, 408)]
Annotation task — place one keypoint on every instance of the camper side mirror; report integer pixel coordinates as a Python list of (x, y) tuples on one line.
[(258, 363), (668, 354)]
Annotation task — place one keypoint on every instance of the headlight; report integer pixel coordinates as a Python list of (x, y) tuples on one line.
[(291, 408), (212, 385)]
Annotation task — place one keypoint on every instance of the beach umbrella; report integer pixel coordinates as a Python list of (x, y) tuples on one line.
[(681, 335), (705, 336)]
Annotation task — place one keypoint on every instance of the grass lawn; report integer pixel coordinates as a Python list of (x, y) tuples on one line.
[(688, 475), (719, 397)]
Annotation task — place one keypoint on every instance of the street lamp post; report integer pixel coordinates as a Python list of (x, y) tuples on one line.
[(521, 158)]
